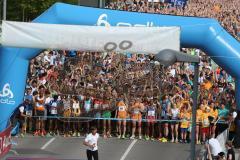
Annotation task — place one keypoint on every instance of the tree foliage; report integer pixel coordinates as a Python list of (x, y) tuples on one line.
[(27, 10)]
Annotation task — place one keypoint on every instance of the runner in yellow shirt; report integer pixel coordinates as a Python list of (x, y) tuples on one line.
[(185, 118), (214, 115), (198, 122), (205, 123)]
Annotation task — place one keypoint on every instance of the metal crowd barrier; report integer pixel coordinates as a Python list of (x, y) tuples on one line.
[(116, 119)]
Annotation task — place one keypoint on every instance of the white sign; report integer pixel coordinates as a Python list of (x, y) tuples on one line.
[(139, 39)]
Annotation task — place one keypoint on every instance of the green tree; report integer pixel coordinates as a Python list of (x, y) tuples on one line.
[(27, 10)]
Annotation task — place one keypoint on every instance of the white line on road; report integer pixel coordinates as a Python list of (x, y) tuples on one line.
[(128, 149), (14, 152), (47, 144)]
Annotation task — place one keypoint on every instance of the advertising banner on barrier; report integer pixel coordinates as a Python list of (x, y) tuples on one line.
[(90, 38), (5, 141), (178, 3)]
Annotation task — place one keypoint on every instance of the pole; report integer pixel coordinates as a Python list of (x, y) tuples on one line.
[(4, 9), (194, 110), (100, 4)]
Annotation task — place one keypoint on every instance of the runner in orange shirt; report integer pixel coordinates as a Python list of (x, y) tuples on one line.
[(122, 116), (136, 116)]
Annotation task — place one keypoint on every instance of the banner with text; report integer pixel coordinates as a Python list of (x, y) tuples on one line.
[(178, 3), (90, 38)]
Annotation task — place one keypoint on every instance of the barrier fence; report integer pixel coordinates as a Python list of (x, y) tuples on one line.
[(118, 119)]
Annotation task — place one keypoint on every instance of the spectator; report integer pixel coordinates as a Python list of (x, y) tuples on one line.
[(230, 151)]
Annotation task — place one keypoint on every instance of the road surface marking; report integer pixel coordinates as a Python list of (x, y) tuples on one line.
[(47, 144), (128, 149), (14, 152)]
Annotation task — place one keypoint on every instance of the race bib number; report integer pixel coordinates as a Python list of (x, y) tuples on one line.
[(121, 108), (163, 114), (54, 111), (29, 113), (151, 113), (205, 122), (87, 107), (105, 106), (75, 105), (136, 111), (96, 106), (54, 104)]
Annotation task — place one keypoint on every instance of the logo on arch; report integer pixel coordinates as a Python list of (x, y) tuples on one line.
[(103, 21), (6, 95)]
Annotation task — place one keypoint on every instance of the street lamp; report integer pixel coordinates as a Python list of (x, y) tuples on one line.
[(4, 9), (168, 57)]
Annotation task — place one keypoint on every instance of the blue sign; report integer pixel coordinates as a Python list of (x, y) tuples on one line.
[(178, 3)]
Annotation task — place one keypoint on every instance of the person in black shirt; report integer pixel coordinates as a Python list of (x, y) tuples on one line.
[(230, 151)]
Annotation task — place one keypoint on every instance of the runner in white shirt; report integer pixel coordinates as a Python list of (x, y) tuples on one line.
[(215, 147), (175, 112), (91, 141)]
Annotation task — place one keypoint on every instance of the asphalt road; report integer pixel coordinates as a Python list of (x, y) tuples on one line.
[(31, 148)]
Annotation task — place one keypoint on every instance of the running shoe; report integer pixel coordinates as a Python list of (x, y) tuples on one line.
[(36, 133), (123, 137), (109, 136), (160, 139), (140, 137), (164, 140), (147, 138), (203, 142), (22, 135), (119, 136), (198, 142), (105, 136), (172, 140), (132, 137), (74, 134), (57, 133), (48, 135), (42, 134), (176, 141), (152, 139), (78, 134)]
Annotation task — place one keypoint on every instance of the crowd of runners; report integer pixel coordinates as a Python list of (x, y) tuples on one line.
[(125, 95)]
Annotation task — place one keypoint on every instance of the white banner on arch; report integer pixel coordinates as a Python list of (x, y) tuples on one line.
[(90, 38)]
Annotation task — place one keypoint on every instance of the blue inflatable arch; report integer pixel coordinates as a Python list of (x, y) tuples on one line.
[(203, 33)]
